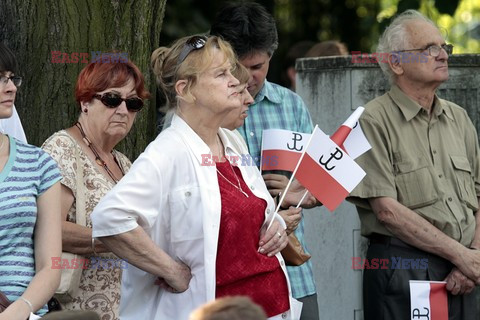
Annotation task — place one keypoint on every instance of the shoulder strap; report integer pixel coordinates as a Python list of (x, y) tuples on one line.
[(80, 201), (80, 198)]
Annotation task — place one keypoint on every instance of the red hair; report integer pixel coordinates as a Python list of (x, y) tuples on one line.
[(98, 76)]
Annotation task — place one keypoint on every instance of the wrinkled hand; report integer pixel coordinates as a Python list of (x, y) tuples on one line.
[(469, 264), (272, 240), (458, 283), (292, 218), (295, 194), (277, 183), (179, 280)]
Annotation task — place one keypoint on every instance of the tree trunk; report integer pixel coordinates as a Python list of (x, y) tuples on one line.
[(33, 29)]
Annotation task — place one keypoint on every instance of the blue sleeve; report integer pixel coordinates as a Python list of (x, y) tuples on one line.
[(48, 172)]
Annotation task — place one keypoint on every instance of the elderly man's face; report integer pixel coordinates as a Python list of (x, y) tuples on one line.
[(429, 70)]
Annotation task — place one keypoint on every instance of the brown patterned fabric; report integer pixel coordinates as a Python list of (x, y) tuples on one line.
[(99, 288)]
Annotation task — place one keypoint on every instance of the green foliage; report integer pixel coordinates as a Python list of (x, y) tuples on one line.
[(459, 20), (358, 23)]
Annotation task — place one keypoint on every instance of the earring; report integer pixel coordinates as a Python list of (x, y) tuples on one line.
[(85, 110)]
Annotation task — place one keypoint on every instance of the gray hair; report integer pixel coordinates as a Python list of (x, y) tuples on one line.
[(396, 37)]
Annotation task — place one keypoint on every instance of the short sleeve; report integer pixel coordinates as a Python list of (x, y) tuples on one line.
[(62, 149), (377, 163), (48, 172), (134, 201)]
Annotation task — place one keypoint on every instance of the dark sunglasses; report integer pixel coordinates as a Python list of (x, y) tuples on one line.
[(113, 100), (194, 43)]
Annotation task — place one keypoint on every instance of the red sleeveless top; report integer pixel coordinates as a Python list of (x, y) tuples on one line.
[(240, 269)]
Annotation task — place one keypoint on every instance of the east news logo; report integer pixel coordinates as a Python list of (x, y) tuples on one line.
[(82, 57)]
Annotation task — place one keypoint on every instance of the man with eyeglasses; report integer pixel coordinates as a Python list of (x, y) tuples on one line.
[(419, 199), (421, 54)]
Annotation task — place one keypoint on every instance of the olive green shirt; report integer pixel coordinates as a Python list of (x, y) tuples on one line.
[(429, 164)]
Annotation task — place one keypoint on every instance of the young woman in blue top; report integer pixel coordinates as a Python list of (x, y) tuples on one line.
[(30, 226)]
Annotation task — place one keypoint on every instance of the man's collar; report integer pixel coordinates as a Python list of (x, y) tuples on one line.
[(440, 108), (410, 108), (267, 91)]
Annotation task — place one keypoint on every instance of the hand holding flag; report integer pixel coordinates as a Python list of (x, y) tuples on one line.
[(327, 171), (428, 299), (324, 168), (350, 138)]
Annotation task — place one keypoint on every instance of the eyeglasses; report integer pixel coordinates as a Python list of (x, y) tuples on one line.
[(434, 50), (113, 100), (194, 43), (17, 81)]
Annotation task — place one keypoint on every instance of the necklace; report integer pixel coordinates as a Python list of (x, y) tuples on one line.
[(238, 186), (99, 159)]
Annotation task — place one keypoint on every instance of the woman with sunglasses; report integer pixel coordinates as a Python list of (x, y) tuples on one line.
[(108, 95), (30, 230), (190, 218)]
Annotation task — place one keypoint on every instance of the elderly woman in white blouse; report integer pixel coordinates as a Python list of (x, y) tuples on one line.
[(188, 217)]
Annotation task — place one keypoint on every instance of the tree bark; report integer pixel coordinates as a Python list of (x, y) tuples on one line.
[(33, 29)]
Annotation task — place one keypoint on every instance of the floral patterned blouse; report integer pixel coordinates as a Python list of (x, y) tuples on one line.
[(99, 287)]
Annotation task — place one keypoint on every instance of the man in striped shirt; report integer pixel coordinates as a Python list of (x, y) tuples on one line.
[(252, 32)]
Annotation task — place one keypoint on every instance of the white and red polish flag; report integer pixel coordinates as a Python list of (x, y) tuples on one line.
[(281, 149), (428, 300), (350, 136), (327, 171)]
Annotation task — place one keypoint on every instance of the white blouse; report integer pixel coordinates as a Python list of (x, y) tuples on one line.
[(176, 200)]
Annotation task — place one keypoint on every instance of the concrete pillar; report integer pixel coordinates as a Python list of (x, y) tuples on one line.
[(332, 87)]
